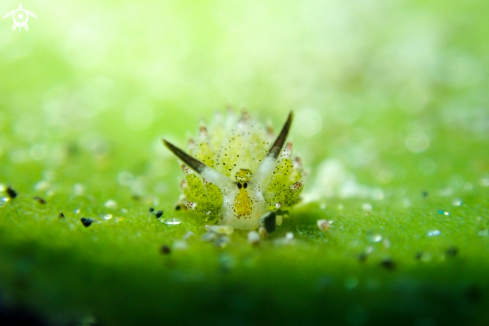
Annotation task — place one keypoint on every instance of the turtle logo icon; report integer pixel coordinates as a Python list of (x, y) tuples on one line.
[(20, 17)]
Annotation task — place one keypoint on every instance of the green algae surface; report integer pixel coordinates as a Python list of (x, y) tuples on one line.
[(391, 121)]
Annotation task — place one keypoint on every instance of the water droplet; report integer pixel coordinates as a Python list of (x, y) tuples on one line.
[(3, 200), (289, 236), (406, 202), (374, 237), (310, 118), (456, 201), (125, 178), (483, 233), (351, 282), (441, 211), (171, 221), (112, 204), (417, 142), (106, 216), (433, 233)]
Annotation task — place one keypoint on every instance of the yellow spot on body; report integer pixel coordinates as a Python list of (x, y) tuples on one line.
[(243, 205)]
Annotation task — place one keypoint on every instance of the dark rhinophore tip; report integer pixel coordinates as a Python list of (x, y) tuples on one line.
[(269, 221), (86, 222)]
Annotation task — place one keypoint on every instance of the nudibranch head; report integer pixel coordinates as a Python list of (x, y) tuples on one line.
[(236, 171)]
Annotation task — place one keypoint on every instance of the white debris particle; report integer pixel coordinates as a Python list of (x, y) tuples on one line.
[(78, 189), (289, 236), (220, 229), (433, 233), (323, 225), (484, 182), (180, 245), (367, 207), (112, 204), (106, 216), (42, 185), (253, 238)]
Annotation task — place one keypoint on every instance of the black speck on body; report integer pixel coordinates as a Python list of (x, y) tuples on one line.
[(451, 252), (151, 210), (11, 192), (159, 214), (40, 200), (388, 264), (86, 222), (165, 250), (61, 215)]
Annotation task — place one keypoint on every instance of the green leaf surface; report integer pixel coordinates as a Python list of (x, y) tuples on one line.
[(391, 121)]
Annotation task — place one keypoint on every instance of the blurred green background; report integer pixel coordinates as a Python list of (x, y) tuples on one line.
[(392, 121)]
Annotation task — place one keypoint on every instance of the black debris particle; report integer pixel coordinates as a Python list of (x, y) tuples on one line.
[(388, 264), (418, 255), (425, 194), (40, 200), (151, 210), (362, 257), (86, 222), (178, 207), (451, 252), (159, 214), (269, 221), (165, 250), (11, 192), (61, 215)]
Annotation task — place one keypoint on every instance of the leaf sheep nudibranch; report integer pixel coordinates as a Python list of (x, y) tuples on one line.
[(240, 172)]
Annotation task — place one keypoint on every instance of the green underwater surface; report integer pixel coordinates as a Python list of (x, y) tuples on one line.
[(391, 120)]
